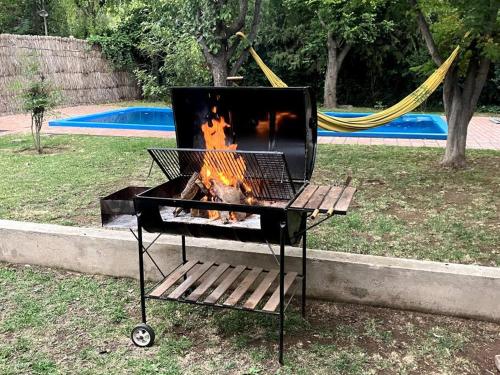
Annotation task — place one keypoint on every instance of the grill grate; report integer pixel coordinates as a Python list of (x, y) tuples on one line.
[(266, 173)]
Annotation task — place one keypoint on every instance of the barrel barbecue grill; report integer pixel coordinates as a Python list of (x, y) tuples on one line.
[(269, 141)]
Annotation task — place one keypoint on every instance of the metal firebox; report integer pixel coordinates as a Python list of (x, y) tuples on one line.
[(269, 141)]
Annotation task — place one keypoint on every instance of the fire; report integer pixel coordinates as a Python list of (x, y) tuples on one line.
[(223, 167), (226, 168)]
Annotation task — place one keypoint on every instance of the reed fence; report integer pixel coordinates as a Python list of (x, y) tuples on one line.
[(73, 66)]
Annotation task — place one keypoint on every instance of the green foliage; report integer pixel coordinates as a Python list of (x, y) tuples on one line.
[(66, 17), (293, 41), (147, 41), (116, 47), (183, 64), (207, 18), (151, 90), (92, 15), (120, 43), (352, 21), (450, 20), (37, 94), (159, 39)]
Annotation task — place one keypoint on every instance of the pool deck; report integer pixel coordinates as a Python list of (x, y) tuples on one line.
[(483, 134)]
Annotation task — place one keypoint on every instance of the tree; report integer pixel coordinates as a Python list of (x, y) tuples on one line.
[(93, 14), (214, 24), (451, 20), (343, 23), (37, 96), (290, 42)]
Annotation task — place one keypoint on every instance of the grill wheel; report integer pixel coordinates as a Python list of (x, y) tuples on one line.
[(143, 335)]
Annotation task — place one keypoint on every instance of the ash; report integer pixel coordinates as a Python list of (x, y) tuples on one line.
[(167, 215)]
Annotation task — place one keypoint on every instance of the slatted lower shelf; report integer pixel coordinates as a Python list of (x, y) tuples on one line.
[(225, 285)]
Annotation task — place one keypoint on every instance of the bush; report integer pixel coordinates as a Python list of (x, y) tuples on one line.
[(149, 85), (115, 47)]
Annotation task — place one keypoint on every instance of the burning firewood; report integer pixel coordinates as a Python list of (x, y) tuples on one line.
[(217, 192), (202, 187), (231, 195), (189, 191), (227, 194), (196, 212)]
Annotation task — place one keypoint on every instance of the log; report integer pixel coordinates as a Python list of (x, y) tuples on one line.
[(196, 212), (189, 191), (231, 195), (227, 194), (202, 187)]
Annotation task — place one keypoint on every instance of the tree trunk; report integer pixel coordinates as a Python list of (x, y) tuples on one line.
[(330, 91), (218, 67), (460, 102), (458, 121), (217, 64), (336, 56), (36, 127)]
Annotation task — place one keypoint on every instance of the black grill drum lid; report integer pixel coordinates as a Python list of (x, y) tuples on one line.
[(261, 119)]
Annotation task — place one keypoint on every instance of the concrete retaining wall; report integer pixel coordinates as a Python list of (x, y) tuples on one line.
[(450, 289)]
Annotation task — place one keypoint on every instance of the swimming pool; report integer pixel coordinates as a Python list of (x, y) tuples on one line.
[(416, 126), (136, 118), (413, 125)]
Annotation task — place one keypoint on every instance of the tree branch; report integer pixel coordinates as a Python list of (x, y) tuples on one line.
[(474, 83), (240, 21), (205, 50), (251, 37), (343, 53), (426, 34), (449, 87), (321, 21), (470, 76)]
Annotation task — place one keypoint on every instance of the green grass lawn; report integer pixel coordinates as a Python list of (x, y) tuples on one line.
[(407, 206), (57, 322)]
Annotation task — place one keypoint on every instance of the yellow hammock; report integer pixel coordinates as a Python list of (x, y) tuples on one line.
[(340, 124)]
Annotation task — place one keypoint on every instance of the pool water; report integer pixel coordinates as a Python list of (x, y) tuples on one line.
[(136, 118), (416, 126)]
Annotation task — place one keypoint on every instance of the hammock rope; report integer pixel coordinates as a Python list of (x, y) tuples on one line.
[(339, 124)]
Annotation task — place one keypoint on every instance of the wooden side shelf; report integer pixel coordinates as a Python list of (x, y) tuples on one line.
[(224, 285), (325, 198)]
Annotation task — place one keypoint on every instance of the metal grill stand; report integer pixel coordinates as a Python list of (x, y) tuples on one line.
[(229, 292), (240, 287)]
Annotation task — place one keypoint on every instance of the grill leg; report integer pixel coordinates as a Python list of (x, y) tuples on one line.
[(184, 258), (141, 270), (282, 288), (183, 238), (304, 270)]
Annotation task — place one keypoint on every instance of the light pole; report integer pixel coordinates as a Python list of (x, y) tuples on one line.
[(44, 14)]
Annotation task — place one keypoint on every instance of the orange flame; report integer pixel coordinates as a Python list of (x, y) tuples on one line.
[(226, 168)]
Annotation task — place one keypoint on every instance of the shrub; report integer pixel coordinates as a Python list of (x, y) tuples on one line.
[(37, 95)]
